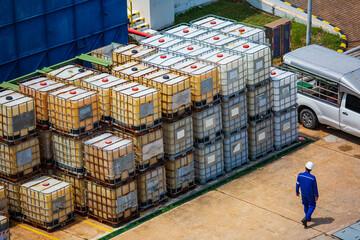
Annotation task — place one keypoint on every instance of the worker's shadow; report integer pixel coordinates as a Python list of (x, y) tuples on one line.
[(320, 221)]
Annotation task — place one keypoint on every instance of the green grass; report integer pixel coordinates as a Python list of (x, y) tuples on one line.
[(243, 12)]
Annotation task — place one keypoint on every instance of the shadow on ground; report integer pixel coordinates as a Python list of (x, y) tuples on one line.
[(320, 221)]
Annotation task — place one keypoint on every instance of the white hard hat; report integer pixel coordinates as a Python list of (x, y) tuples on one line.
[(309, 165)]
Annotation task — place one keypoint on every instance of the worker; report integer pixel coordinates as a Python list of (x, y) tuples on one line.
[(309, 192)]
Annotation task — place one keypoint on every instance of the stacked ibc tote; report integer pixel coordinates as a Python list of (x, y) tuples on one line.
[(136, 115)]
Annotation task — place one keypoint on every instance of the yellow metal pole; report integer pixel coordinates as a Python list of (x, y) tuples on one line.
[(131, 12)]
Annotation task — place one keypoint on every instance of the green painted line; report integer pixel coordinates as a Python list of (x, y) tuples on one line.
[(210, 188), (8, 85)]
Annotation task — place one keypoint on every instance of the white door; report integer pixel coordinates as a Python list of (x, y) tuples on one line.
[(350, 114)]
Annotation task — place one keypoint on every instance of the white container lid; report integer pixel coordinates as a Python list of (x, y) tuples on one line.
[(163, 59), (190, 49), (186, 32), (161, 41)]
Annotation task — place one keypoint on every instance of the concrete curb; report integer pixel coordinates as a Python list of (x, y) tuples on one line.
[(285, 9)]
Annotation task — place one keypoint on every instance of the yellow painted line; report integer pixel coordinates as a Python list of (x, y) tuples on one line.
[(343, 37), (314, 16), (340, 50), (300, 9), (36, 231), (326, 22), (343, 45), (288, 3), (336, 29), (93, 224)]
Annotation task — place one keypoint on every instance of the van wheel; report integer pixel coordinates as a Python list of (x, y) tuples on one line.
[(308, 119)]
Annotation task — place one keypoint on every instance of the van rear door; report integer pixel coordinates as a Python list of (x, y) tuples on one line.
[(350, 114)]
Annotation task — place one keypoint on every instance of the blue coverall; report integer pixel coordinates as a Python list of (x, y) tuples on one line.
[(307, 183)]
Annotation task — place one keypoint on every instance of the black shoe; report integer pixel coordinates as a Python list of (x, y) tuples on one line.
[(309, 220), (304, 222)]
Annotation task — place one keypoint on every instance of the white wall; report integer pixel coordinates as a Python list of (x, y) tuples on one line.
[(160, 13), (183, 5)]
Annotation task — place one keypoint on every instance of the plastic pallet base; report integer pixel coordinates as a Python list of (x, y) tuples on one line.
[(254, 158), (174, 193), (230, 169), (252, 87), (14, 140), (180, 154), (205, 181), (78, 133), (138, 129), (148, 204), (201, 106), (76, 171), (17, 216), (50, 227), (260, 116), (174, 117), (280, 147), (147, 167), (21, 176), (81, 211), (201, 143), (112, 223), (230, 96), (236, 130), (111, 185)]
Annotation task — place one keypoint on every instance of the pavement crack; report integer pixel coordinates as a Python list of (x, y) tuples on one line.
[(265, 209)]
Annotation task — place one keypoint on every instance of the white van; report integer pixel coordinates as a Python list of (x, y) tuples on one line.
[(328, 87)]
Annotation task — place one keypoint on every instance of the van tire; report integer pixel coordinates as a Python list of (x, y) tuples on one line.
[(308, 119)]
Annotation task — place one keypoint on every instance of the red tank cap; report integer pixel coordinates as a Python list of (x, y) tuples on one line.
[(46, 184), (212, 22), (273, 73), (185, 31), (190, 48), (108, 141), (246, 46), (163, 56), (193, 66), (43, 84), (241, 30), (105, 80), (161, 40), (216, 38), (72, 92), (220, 55), (135, 88)]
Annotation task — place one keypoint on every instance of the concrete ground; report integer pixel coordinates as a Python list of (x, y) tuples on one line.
[(260, 205), (263, 205)]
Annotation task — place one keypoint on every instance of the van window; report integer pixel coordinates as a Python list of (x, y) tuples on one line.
[(352, 103)]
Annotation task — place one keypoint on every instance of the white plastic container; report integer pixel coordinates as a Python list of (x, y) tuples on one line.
[(178, 136), (209, 162), (163, 59), (212, 22), (207, 124), (71, 74), (161, 41), (190, 49), (214, 39), (133, 71), (184, 31), (130, 52), (259, 100), (258, 60), (234, 112), (284, 89), (261, 137), (232, 71), (235, 149), (286, 127), (205, 85), (246, 32)]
